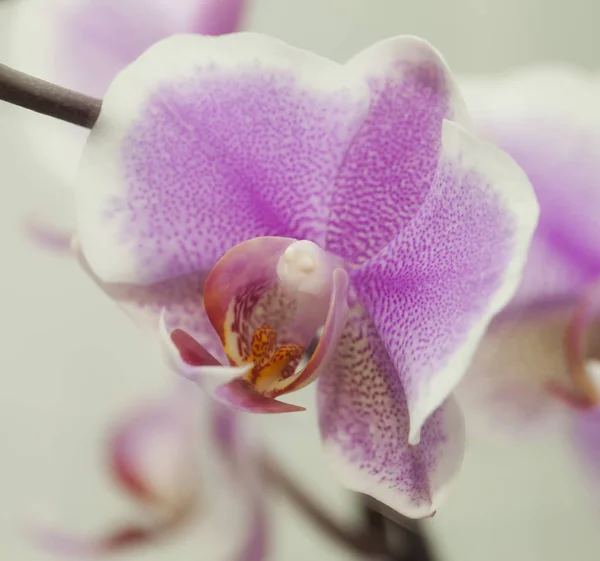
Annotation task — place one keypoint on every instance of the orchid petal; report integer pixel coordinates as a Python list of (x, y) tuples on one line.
[(511, 386), (364, 422), (241, 395), (434, 289), (580, 346), (84, 44), (239, 136), (547, 119), (390, 166), (218, 17)]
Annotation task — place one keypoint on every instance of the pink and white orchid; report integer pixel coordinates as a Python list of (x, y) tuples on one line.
[(190, 464), (241, 195), (538, 364)]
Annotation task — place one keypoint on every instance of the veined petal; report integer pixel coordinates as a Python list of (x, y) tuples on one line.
[(364, 422), (389, 168), (205, 142), (434, 289), (547, 119)]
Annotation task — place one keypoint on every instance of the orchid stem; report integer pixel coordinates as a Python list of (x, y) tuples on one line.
[(371, 541), (48, 99)]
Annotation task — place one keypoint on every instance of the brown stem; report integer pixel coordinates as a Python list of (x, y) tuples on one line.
[(359, 541), (48, 99)]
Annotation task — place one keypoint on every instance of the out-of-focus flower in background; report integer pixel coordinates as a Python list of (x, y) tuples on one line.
[(191, 464), (82, 45), (346, 186), (537, 366)]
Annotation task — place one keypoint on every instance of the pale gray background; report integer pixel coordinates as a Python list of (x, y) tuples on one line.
[(69, 359)]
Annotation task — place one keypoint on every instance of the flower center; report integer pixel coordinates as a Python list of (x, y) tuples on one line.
[(272, 362), (305, 267)]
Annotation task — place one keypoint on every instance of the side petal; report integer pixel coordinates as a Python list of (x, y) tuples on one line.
[(364, 422), (434, 289), (546, 117), (388, 170), (509, 388), (205, 142)]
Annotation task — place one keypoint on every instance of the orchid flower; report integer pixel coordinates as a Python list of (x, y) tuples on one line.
[(239, 196), (538, 364), (160, 455), (82, 45)]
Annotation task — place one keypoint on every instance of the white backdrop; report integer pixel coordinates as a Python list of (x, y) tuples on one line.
[(69, 359)]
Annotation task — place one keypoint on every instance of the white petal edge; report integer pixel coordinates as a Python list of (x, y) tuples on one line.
[(378, 59), (509, 182)]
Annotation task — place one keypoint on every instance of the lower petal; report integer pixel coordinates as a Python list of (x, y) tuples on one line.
[(364, 422)]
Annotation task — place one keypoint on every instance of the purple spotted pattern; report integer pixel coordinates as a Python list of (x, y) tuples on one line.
[(98, 38), (389, 168), (259, 153), (364, 419), (429, 287)]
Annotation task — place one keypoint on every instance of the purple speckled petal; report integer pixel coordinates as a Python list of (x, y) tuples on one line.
[(205, 142), (388, 171), (433, 290), (364, 422), (547, 119)]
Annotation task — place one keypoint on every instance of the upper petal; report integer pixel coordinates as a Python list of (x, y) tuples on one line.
[(364, 422), (434, 289), (205, 142), (387, 172), (547, 118)]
